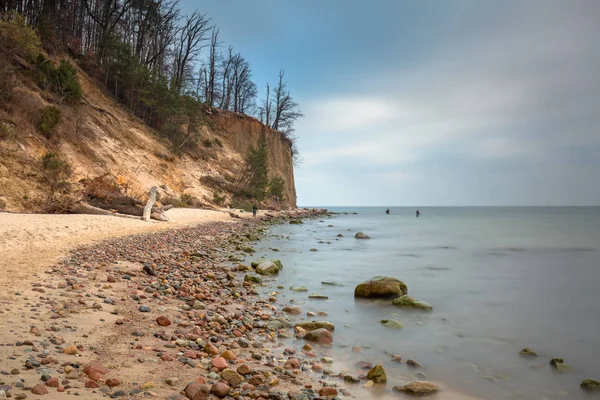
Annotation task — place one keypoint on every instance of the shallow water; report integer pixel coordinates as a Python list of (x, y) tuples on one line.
[(499, 279)]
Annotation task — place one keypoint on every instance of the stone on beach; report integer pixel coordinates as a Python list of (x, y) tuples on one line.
[(391, 323), (360, 235), (321, 335), (377, 374), (528, 352), (406, 301), (418, 388), (267, 268), (312, 325), (590, 384), (380, 286)]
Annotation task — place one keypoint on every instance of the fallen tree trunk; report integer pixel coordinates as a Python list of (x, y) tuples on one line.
[(85, 208), (149, 204)]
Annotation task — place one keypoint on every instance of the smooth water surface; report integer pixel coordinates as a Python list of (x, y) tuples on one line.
[(499, 279)]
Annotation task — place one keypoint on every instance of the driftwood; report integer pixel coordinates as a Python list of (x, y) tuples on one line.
[(85, 208), (149, 204)]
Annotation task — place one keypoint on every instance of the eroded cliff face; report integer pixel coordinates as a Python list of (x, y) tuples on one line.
[(99, 137)]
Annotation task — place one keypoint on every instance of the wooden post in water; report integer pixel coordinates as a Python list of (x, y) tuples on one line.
[(149, 204)]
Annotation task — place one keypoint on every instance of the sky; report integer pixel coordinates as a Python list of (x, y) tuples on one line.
[(432, 103)]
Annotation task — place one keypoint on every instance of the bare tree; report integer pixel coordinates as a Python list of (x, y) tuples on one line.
[(286, 110), (187, 47)]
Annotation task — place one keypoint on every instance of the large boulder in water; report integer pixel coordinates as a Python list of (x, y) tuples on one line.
[(267, 268), (377, 374), (406, 301), (381, 286)]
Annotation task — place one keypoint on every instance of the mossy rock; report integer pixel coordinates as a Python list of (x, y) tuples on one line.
[(256, 263), (590, 384), (418, 388), (360, 235), (380, 286), (296, 222), (267, 268), (391, 323), (377, 374), (253, 279), (407, 301), (560, 365), (299, 288), (278, 263), (234, 258), (528, 352), (247, 249)]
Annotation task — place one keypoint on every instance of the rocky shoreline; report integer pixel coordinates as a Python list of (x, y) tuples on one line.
[(165, 315)]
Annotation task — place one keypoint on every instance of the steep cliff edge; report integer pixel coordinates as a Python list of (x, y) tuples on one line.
[(98, 137)]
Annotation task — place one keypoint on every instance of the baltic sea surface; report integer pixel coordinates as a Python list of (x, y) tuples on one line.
[(499, 279)]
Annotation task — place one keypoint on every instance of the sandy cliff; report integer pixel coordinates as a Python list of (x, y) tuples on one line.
[(98, 136)]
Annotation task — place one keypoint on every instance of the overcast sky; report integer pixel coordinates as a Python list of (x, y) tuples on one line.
[(432, 102)]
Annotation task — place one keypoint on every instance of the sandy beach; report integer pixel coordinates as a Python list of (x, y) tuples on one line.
[(31, 242)]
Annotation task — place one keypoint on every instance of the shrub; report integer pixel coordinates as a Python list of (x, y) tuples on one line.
[(207, 143), (218, 198), (50, 117), (7, 131), (62, 80), (186, 199), (218, 142), (56, 171), (16, 38), (2, 204)]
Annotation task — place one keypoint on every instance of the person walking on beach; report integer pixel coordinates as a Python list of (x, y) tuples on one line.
[(418, 213), (387, 211), (254, 210)]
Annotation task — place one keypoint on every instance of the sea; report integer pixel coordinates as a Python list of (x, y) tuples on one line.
[(499, 279)]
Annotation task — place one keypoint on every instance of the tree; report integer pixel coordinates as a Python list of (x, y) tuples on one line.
[(286, 110), (187, 47)]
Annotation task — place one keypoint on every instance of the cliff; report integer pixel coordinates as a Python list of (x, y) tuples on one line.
[(98, 137)]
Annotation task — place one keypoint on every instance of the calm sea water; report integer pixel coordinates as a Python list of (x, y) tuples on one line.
[(499, 279)]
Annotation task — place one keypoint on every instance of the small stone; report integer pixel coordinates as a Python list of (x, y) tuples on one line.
[(590, 384), (112, 382), (413, 363), (53, 382), (144, 309), (559, 365), (233, 378), (391, 323), (163, 321), (228, 355), (220, 389), (369, 384), (219, 362), (71, 350), (39, 389), (327, 391)]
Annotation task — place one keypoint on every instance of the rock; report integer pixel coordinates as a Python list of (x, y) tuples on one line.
[(197, 391), (228, 355), (278, 263), (253, 279), (528, 352), (112, 382), (220, 389), (360, 235), (39, 389), (295, 310), (163, 321), (317, 296), (391, 323), (380, 286), (363, 365), (219, 362), (369, 384), (320, 335), (97, 368), (407, 301), (71, 350), (312, 325), (351, 379), (377, 374), (330, 283), (590, 384), (413, 363), (559, 365), (267, 268), (418, 388), (144, 309), (244, 369), (299, 288), (328, 391), (52, 382), (233, 378)]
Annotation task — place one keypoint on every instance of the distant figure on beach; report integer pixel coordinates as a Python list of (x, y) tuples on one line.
[(387, 211), (254, 210), (418, 213)]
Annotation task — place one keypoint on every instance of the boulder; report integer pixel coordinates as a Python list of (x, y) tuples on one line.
[(590, 384), (381, 286), (321, 335), (295, 310), (560, 365), (377, 374), (360, 235), (406, 301), (278, 263), (391, 323), (267, 268), (299, 288), (312, 325), (418, 388)]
